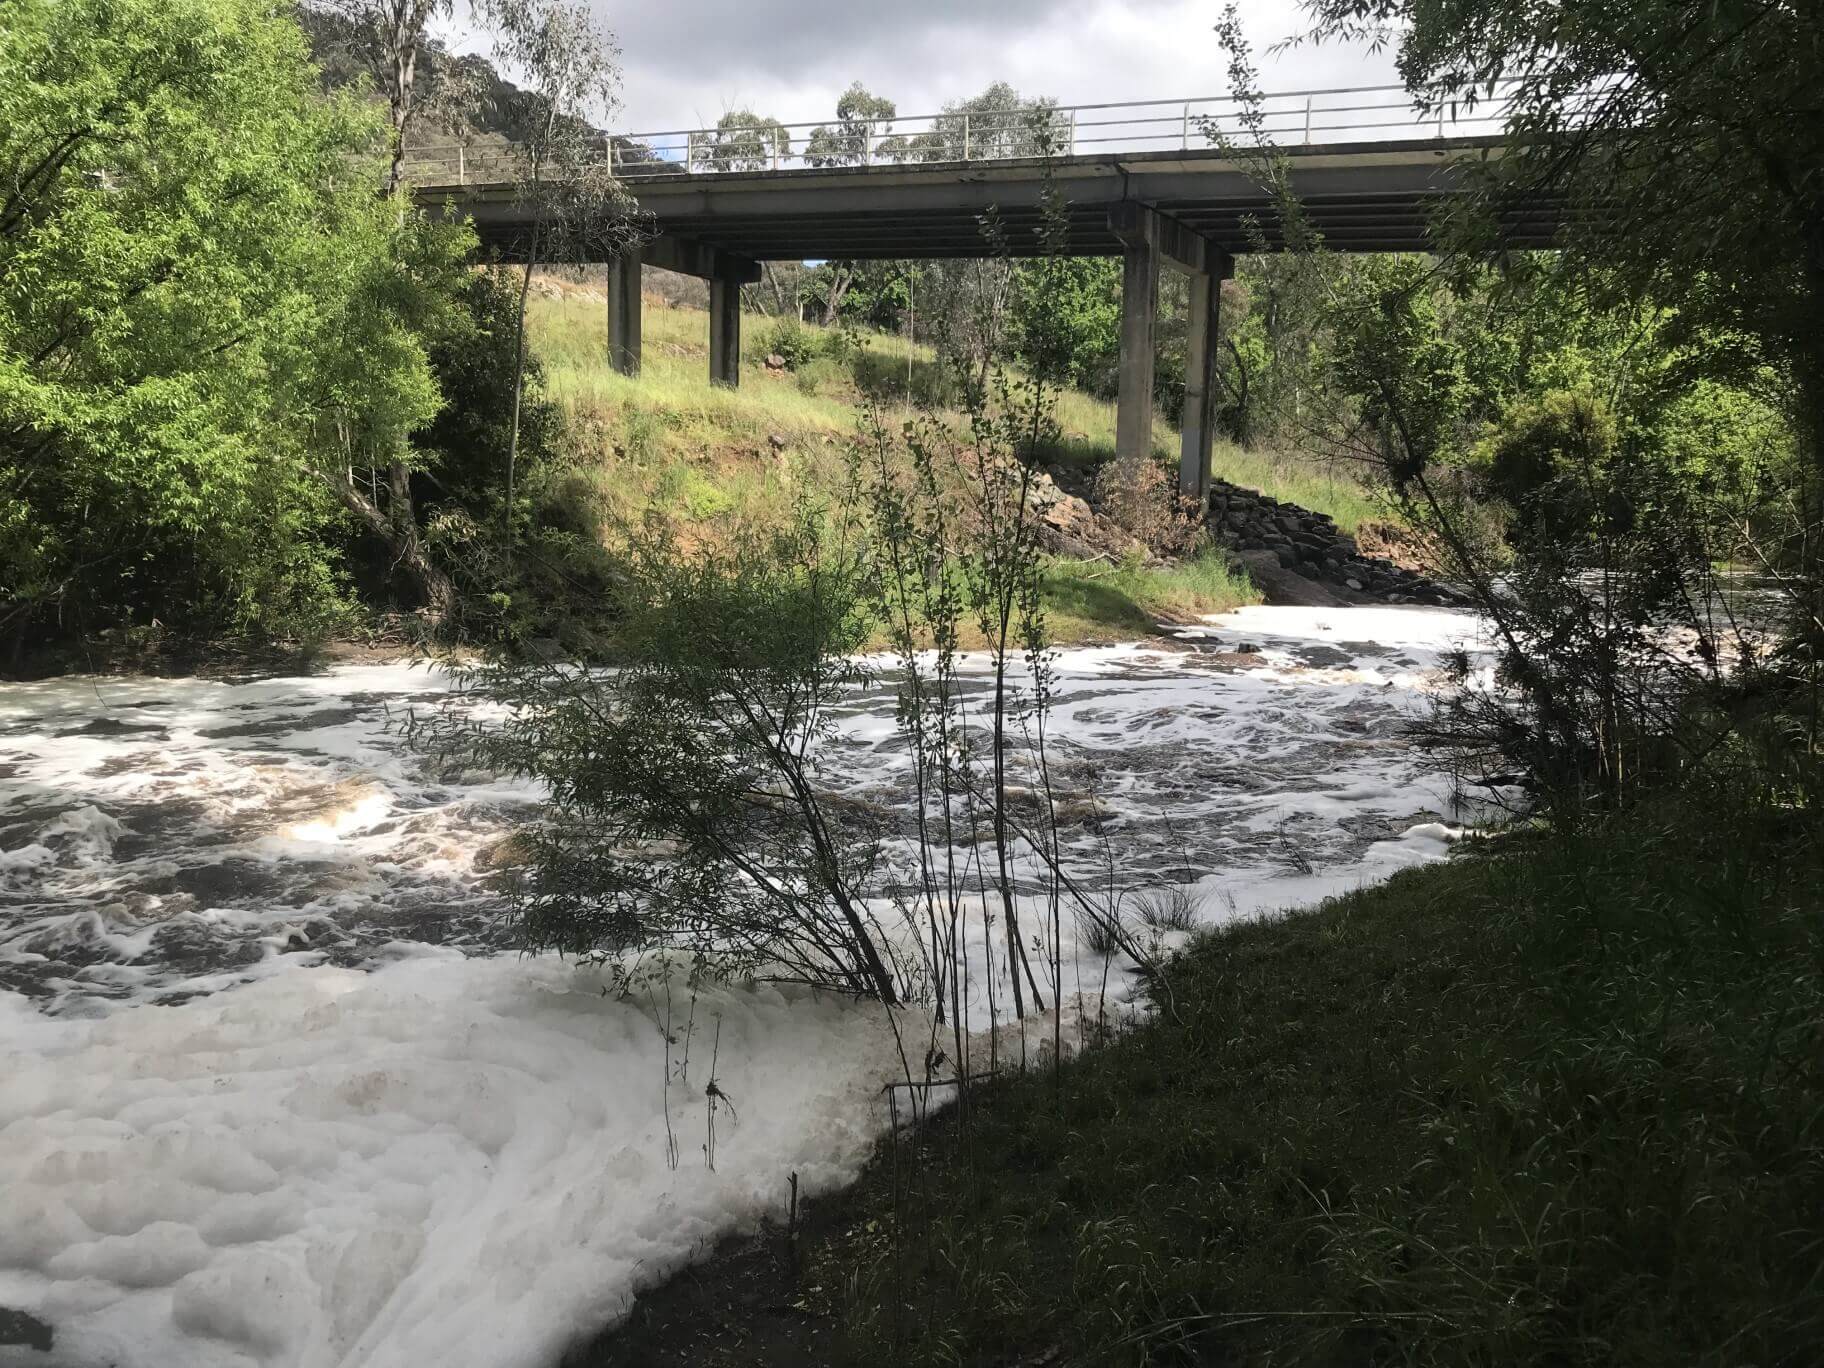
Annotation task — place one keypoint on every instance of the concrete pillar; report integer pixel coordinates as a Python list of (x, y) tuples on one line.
[(1139, 319), (724, 333), (1202, 393), (624, 312)]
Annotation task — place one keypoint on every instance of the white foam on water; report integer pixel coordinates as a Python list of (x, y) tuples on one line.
[(276, 1095), (448, 1160)]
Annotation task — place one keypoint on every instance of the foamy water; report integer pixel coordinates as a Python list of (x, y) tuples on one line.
[(160, 838), (279, 1091)]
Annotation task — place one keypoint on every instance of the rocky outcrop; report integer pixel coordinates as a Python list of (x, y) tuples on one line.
[(1068, 526), (1310, 544)]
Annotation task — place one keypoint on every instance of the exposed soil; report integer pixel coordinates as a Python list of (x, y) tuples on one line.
[(759, 1298), (167, 655)]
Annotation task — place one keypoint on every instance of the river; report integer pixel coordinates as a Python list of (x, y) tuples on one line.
[(281, 1090)]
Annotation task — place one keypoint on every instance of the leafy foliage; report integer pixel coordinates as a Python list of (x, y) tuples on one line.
[(1066, 319), (193, 260), (743, 141), (1701, 152), (790, 341), (861, 119), (685, 811)]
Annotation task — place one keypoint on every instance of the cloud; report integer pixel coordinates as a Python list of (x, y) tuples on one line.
[(686, 62)]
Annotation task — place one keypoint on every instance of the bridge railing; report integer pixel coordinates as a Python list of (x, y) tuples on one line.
[(1288, 118)]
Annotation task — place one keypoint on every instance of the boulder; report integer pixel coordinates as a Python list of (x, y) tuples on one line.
[(1070, 527)]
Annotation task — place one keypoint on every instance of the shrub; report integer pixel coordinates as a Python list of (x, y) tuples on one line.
[(1142, 496), (789, 340), (685, 812)]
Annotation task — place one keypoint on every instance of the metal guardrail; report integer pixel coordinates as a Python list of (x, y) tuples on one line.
[(1288, 118)]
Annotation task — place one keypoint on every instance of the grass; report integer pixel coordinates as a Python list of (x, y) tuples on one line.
[(670, 441), (1559, 1102), (671, 416), (1086, 602)]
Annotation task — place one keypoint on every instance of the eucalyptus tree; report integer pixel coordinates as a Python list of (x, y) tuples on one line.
[(861, 117), (999, 122), (575, 207), (742, 141), (387, 36)]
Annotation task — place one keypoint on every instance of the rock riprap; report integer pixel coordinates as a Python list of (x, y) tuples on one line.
[(1312, 545)]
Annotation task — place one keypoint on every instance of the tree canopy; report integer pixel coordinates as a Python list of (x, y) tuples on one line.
[(1689, 138), (200, 297)]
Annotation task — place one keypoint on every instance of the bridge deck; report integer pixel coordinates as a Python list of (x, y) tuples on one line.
[(1366, 197)]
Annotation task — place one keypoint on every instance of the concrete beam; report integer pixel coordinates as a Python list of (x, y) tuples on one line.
[(724, 333), (624, 312), (1139, 328), (1364, 197), (697, 259), (1181, 246), (1201, 388)]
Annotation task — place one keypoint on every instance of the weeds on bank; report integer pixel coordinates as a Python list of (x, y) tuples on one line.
[(1554, 1104)]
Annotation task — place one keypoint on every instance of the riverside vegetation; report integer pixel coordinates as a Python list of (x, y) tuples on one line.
[(1558, 1101)]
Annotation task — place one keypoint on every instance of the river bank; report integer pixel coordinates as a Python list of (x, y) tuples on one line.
[(1553, 1102)]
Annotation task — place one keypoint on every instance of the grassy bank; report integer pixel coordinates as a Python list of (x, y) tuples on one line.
[(1561, 1102), (1087, 602), (670, 442), (686, 442)]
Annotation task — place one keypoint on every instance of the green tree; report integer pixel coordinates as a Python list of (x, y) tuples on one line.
[(1066, 318), (1000, 122), (191, 250), (1695, 175), (387, 36), (861, 118), (742, 141), (577, 207)]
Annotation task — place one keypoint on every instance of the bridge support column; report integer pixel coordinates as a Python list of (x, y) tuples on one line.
[(624, 311), (1139, 327), (1201, 387), (724, 333), (1148, 235)]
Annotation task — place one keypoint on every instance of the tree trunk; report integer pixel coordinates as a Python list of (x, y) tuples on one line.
[(404, 24), (519, 384), (839, 289), (397, 527)]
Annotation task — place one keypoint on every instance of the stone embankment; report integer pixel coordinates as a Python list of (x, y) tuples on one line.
[(1311, 545), (1294, 556)]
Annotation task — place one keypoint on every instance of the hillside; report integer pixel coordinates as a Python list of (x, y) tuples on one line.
[(708, 458)]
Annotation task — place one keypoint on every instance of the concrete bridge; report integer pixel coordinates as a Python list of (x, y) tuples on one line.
[(718, 213)]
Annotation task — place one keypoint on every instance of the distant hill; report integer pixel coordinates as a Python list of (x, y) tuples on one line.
[(491, 110)]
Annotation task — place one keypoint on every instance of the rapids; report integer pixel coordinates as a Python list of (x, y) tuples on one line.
[(280, 1092), (165, 838)]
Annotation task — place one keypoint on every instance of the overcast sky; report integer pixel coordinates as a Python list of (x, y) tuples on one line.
[(687, 62)]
